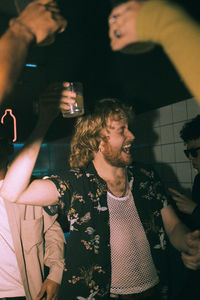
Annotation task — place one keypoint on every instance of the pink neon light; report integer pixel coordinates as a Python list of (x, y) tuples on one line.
[(14, 120)]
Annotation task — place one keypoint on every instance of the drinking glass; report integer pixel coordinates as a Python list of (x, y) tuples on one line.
[(76, 109)]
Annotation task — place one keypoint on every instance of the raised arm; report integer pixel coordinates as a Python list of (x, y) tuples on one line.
[(164, 23), (16, 187), (36, 25)]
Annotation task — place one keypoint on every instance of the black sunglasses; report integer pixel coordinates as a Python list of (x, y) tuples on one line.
[(193, 152)]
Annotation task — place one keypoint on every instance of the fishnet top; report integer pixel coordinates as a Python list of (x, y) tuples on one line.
[(132, 267)]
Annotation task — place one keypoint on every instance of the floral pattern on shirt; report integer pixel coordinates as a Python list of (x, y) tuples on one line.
[(83, 204)]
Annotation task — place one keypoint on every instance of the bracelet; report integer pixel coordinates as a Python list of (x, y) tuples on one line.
[(26, 28)]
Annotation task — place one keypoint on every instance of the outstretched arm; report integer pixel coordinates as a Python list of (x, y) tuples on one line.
[(164, 23), (36, 25), (16, 187)]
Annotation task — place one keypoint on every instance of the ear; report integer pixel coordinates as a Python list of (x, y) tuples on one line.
[(101, 145)]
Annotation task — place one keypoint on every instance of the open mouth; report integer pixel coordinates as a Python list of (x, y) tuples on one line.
[(127, 149)]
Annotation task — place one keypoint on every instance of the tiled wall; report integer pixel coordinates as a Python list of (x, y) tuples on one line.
[(158, 142)]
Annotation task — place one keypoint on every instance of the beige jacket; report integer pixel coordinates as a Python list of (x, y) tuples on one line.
[(31, 228)]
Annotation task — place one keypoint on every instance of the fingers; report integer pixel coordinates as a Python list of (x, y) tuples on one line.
[(192, 240), (41, 293), (122, 20), (43, 19), (195, 235), (57, 96), (191, 262), (174, 191), (117, 11)]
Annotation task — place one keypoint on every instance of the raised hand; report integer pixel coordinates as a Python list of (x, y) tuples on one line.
[(122, 24), (54, 99), (184, 203), (191, 259), (42, 19)]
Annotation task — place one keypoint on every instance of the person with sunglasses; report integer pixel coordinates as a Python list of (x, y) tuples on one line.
[(188, 209), (190, 134)]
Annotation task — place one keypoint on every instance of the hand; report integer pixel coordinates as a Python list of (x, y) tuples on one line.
[(54, 99), (184, 204), (50, 289), (43, 19), (123, 19), (191, 259)]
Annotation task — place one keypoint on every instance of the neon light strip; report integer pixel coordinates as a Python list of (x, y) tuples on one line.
[(31, 65)]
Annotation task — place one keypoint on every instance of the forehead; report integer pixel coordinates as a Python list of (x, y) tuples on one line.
[(193, 143), (115, 122)]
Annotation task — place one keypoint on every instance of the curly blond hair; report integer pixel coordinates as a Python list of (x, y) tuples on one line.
[(88, 130)]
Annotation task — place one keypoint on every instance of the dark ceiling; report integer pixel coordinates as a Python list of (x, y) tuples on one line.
[(82, 53)]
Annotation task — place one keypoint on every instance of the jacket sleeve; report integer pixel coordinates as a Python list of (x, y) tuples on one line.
[(54, 248)]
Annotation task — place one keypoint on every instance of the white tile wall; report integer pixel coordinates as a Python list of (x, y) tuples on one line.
[(179, 111), (177, 127), (166, 151), (184, 173), (167, 134), (166, 115), (192, 108), (179, 154)]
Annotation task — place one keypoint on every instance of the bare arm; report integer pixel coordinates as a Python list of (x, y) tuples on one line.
[(16, 187), (37, 24), (184, 203), (174, 228), (188, 243)]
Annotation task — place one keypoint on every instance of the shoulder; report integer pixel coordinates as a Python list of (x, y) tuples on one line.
[(142, 169)]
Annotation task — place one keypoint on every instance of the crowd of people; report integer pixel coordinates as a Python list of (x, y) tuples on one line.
[(116, 211)]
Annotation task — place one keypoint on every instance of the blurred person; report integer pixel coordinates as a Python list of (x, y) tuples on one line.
[(30, 239), (164, 23), (116, 210), (36, 25)]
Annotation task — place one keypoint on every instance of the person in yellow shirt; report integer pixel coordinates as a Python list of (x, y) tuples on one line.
[(164, 23)]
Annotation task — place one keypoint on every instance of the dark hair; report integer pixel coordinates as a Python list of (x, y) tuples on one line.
[(191, 130)]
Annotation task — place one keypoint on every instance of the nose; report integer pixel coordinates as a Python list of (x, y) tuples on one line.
[(130, 135)]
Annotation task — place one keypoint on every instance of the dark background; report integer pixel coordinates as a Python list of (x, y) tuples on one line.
[(82, 53)]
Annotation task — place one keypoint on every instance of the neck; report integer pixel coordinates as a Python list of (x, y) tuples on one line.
[(115, 177), (106, 171)]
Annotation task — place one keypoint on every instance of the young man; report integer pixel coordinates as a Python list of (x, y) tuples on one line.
[(37, 25), (191, 137), (164, 23), (116, 210), (29, 239)]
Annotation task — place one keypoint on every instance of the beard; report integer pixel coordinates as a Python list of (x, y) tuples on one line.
[(116, 158)]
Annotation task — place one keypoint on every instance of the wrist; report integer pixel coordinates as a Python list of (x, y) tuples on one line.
[(22, 30)]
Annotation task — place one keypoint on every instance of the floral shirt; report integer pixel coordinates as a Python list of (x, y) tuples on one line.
[(83, 211)]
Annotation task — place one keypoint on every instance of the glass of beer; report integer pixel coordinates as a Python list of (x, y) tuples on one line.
[(76, 109)]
